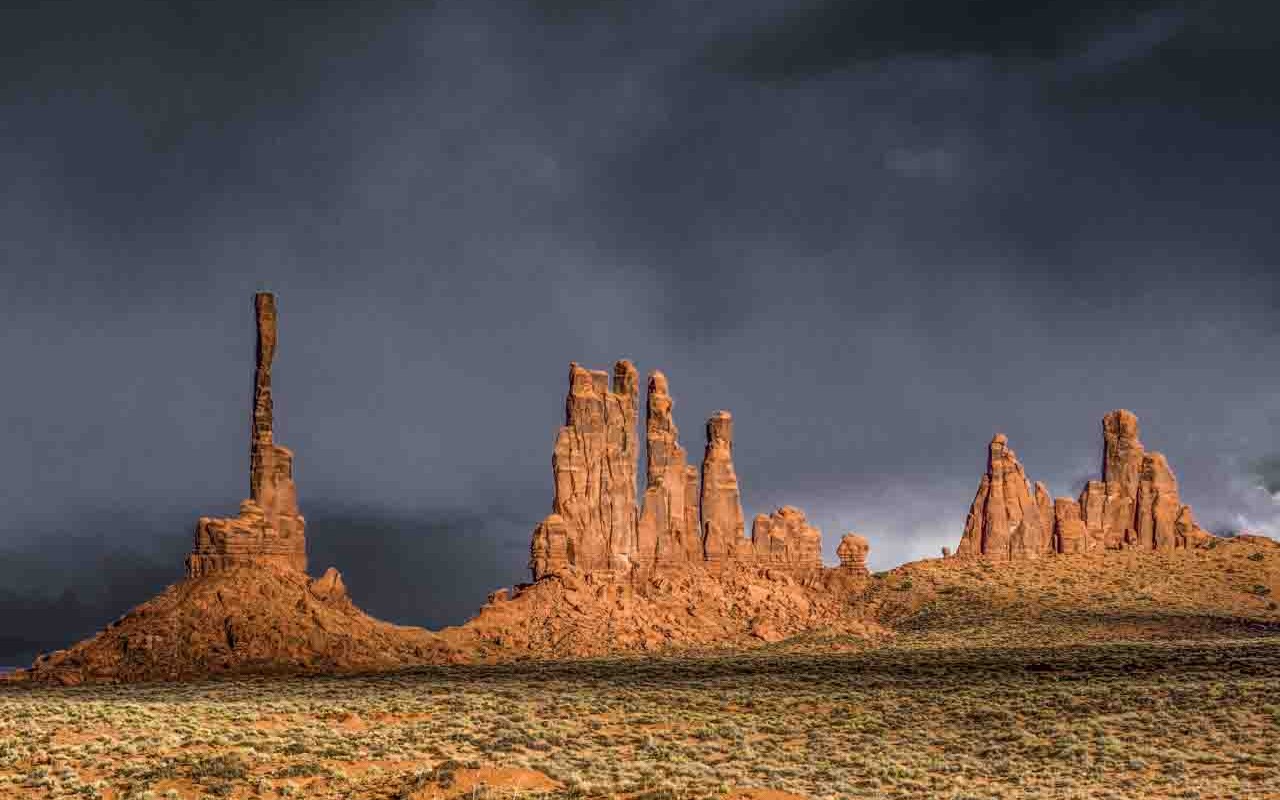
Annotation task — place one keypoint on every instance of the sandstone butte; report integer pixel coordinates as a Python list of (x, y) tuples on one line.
[(1134, 507), (669, 569)]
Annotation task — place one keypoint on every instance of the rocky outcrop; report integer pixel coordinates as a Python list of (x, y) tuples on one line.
[(1070, 534), (247, 605), (786, 539), (721, 502), (269, 528), (852, 553), (1044, 511), (1004, 521), (593, 519), (1135, 505), (683, 521), (667, 532)]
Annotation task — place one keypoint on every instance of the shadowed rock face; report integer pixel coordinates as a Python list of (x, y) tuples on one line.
[(682, 521), (1134, 506), (269, 528)]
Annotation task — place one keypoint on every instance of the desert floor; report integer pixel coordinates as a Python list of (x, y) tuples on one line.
[(817, 718)]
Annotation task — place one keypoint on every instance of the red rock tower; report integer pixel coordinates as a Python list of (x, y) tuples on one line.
[(269, 530)]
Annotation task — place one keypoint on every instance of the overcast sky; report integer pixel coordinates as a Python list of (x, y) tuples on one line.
[(877, 232)]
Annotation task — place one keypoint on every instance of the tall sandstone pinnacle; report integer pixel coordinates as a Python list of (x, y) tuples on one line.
[(1135, 505), (667, 532), (593, 525), (1004, 521), (721, 501), (593, 519), (269, 528), (1139, 505)]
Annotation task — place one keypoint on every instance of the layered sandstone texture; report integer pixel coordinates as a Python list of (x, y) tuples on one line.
[(786, 538), (596, 524), (1135, 505), (852, 553), (269, 530)]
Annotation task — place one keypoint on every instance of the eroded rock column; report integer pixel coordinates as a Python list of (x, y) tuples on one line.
[(269, 528), (721, 500), (1004, 521), (593, 520), (667, 532)]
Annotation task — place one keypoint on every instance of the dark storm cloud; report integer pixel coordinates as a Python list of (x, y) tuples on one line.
[(1212, 54), (876, 232), (817, 38)]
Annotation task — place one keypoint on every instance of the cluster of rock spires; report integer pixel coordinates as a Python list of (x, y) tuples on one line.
[(595, 524), (269, 528), (248, 604), (1134, 506)]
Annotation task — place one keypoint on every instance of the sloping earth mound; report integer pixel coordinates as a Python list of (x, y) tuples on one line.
[(572, 615), (1229, 589), (248, 620)]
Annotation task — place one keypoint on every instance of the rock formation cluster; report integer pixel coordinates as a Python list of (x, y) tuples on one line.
[(269, 528), (683, 517), (1134, 506)]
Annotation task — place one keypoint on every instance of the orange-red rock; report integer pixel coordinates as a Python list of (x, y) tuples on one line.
[(1135, 505), (1139, 505), (269, 528), (667, 532), (852, 553), (721, 503), (1070, 534), (593, 521), (1004, 520), (786, 539)]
